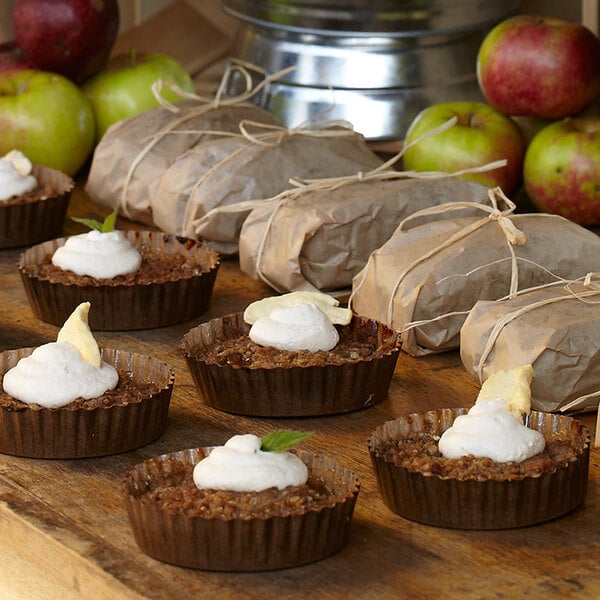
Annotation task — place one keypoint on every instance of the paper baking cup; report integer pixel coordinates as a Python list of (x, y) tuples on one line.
[(470, 504), (27, 223), (36, 432), (217, 544), (291, 391), (126, 307)]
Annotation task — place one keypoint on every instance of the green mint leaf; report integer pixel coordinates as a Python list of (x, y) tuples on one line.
[(109, 222), (91, 223), (104, 227), (283, 439)]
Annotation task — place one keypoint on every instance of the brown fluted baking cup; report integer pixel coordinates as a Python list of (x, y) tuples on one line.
[(36, 432), (217, 544), (471, 504), (291, 391), (26, 223), (127, 306)]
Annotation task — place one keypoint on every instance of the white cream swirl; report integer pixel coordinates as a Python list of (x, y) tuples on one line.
[(293, 328), (15, 175), (55, 375), (490, 430), (241, 466), (99, 255)]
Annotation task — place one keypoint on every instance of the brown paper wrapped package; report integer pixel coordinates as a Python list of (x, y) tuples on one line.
[(424, 280), (556, 329), (319, 237), (248, 167), (134, 152), (169, 193)]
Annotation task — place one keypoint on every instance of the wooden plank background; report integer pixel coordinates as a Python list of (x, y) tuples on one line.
[(134, 12)]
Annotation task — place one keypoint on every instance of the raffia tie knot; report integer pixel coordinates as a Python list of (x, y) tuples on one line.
[(270, 135), (592, 280), (514, 236)]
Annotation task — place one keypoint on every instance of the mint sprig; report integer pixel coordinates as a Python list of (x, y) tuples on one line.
[(283, 439), (105, 226)]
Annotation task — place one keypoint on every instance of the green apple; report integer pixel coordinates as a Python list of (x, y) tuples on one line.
[(47, 117), (123, 88), (561, 171), (481, 135)]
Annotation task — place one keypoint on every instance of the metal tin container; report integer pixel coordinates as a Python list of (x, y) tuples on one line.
[(374, 63)]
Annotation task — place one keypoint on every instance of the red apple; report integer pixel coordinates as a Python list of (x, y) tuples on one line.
[(561, 171), (47, 117), (70, 37), (539, 67), (482, 135), (11, 57)]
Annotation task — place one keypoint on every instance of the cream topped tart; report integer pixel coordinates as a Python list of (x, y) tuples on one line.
[(33, 200), (298, 354), (235, 507), (496, 465), (71, 399), (134, 279)]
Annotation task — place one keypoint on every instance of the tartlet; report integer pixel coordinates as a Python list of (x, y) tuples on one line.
[(37, 215), (284, 384), (180, 295), (90, 428), (484, 499), (226, 543)]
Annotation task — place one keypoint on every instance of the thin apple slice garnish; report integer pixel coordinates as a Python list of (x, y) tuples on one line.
[(328, 304), (76, 331), (511, 385), (20, 162)]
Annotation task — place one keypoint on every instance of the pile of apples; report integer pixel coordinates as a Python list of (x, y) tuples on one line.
[(60, 91), (540, 77)]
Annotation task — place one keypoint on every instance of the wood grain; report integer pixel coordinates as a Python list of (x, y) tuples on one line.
[(64, 532), (590, 15)]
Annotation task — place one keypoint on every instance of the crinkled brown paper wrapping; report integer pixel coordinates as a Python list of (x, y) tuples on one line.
[(555, 329), (170, 193), (135, 152), (226, 171), (319, 238), (424, 274)]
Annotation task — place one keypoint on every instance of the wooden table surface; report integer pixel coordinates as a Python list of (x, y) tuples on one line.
[(64, 531)]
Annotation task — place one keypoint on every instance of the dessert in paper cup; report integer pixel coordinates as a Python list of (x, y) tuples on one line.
[(33, 201), (298, 354), (250, 505), (495, 466), (161, 279), (71, 399)]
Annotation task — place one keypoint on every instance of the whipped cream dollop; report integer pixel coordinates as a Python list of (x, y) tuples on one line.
[(293, 328), (15, 175), (241, 466), (491, 430), (99, 255), (55, 375)]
